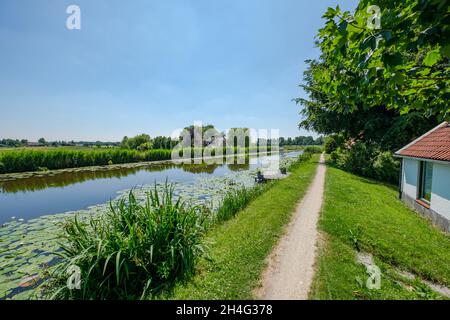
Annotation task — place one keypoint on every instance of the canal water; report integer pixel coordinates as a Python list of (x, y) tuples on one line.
[(33, 209)]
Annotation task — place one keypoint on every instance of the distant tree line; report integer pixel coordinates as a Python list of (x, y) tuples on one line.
[(301, 141), (13, 143), (16, 143), (296, 141), (143, 142)]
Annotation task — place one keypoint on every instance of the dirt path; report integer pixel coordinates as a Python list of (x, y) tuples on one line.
[(290, 270)]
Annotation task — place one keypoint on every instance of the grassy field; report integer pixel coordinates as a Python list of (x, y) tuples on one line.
[(360, 213), (239, 247)]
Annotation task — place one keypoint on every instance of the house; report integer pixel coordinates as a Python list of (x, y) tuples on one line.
[(425, 175), (33, 144)]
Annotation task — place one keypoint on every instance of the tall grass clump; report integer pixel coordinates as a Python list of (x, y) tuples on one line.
[(236, 200), (133, 251)]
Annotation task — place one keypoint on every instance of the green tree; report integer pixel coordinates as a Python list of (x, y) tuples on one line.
[(42, 141), (384, 85), (135, 142)]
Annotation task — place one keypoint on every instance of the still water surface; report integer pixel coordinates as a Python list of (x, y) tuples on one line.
[(29, 198)]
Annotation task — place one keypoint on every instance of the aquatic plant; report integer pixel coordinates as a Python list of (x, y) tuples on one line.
[(32, 160), (132, 251)]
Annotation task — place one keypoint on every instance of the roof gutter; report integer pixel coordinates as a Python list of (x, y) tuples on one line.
[(421, 159)]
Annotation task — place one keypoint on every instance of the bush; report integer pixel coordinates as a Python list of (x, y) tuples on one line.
[(386, 167), (132, 251), (333, 142), (367, 160), (359, 159), (313, 149)]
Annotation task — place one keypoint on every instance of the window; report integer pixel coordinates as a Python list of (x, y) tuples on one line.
[(426, 176)]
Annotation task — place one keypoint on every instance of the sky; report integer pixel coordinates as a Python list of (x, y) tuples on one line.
[(153, 66)]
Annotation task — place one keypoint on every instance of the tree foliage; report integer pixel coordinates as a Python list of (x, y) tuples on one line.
[(384, 85), (141, 141)]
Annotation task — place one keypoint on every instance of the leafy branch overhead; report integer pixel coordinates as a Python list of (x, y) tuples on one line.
[(400, 69)]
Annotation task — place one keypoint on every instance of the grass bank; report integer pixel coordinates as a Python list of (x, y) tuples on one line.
[(361, 213), (239, 247)]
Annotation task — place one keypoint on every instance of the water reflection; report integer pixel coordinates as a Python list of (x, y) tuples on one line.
[(67, 178), (56, 192)]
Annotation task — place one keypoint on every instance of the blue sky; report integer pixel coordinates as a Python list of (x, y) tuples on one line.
[(153, 66)]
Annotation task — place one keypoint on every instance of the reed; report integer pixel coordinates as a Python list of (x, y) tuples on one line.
[(28, 160), (236, 200), (133, 251)]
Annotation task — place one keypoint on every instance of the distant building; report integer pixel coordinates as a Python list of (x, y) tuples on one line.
[(33, 144), (425, 175)]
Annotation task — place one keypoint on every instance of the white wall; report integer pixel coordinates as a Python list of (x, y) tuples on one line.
[(440, 189), (409, 177)]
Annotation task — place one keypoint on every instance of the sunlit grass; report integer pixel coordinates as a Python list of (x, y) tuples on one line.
[(361, 214), (239, 246)]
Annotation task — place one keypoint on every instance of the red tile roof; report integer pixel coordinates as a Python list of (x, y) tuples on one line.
[(434, 145)]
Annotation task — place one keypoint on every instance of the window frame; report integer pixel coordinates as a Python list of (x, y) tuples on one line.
[(422, 178)]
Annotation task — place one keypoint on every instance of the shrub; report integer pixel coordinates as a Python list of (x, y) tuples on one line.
[(132, 251), (313, 149), (333, 142), (386, 167), (367, 160), (359, 159), (335, 158)]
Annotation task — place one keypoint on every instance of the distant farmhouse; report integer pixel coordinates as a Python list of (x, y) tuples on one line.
[(425, 175), (34, 144)]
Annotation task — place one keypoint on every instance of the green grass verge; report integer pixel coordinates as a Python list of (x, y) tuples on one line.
[(368, 213), (239, 247)]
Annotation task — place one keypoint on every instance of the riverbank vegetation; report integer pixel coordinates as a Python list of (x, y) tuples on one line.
[(38, 160), (239, 247), (141, 250), (28, 160), (362, 216), (236, 200), (133, 250)]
